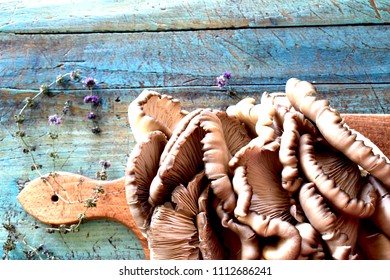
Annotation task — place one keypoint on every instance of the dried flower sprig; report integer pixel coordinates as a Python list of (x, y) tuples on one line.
[(102, 175), (54, 123), (223, 83), (30, 252), (10, 243)]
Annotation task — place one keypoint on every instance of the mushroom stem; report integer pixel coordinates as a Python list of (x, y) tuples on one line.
[(289, 245), (373, 243), (311, 246), (250, 249), (381, 215)]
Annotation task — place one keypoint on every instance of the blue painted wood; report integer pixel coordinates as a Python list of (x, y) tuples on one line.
[(347, 55), (155, 15)]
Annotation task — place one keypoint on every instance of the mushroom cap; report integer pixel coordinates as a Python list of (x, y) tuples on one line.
[(335, 176), (316, 210), (311, 246), (336, 133), (179, 129), (246, 112), (234, 131), (152, 111), (216, 156), (172, 235), (181, 164), (294, 125), (261, 171), (142, 166), (288, 244), (186, 198)]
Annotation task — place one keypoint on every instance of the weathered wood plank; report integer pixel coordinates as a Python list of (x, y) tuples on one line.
[(353, 54), (155, 15)]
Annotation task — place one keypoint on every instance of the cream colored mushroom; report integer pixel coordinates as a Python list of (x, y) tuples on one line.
[(152, 111)]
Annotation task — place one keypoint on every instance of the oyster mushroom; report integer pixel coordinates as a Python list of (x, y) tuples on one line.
[(257, 182), (173, 232), (374, 245), (172, 235), (216, 158), (338, 230), (235, 134), (200, 146), (288, 245), (179, 129), (210, 245), (247, 112), (381, 215), (311, 245), (294, 125), (152, 111), (335, 176), (333, 129), (181, 163), (142, 166)]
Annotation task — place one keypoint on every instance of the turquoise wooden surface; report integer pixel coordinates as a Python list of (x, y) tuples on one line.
[(176, 48)]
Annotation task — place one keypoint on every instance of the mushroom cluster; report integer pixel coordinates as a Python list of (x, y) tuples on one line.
[(282, 179)]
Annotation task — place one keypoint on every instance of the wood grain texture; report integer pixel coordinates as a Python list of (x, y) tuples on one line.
[(351, 54), (59, 198), (177, 49), (376, 128), (154, 15)]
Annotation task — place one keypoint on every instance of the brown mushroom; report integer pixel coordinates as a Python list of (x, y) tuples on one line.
[(179, 129), (235, 134), (294, 125), (172, 235), (152, 111), (246, 112), (288, 245), (339, 231), (335, 176), (181, 164), (311, 245), (142, 166), (381, 215), (173, 230), (216, 158), (374, 245), (333, 129), (257, 182)]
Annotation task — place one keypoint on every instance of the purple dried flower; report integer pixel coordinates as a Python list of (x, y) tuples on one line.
[(54, 119), (91, 116), (91, 99), (221, 81), (89, 82), (227, 75), (105, 164)]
